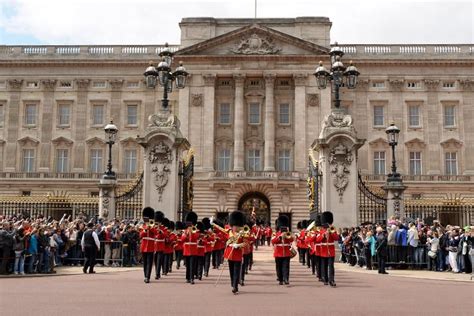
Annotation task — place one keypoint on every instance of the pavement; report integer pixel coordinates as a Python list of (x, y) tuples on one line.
[(122, 291)]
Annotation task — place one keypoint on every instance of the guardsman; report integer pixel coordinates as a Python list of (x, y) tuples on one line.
[(190, 239), (317, 249), (209, 244), (301, 243), (282, 249), (268, 233), (178, 245), (161, 235), (233, 251), (147, 244), (169, 248), (219, 246), (247, 249), (327, 236), (201, 250)]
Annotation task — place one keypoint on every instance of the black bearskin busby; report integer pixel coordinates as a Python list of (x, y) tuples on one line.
[(148, 213), (200, 227), (165, 222), (206, 222), (283, 221), (304, 223), (180, 225), (159, 216), (327, 219), (191, 218), (317, 221), (299, 225), (171, 225), (237, 218)]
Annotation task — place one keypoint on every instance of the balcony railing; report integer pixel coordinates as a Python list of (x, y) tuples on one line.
[(407, 50), (62, 175), (424, 178), (288, 175), (82, 51)]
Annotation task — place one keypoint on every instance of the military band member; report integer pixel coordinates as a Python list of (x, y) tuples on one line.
[(169, 248), (209, 244), (301, 242), (268, 234), (219, 245), (233, 251), (161, 235), (282, 242), (247, 250), (327, 236), (190, 239), (179, 244), (201, 250), (147, 244)]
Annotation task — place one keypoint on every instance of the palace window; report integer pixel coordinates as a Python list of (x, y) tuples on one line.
[(28, 160), (284, 160), (62, 160), (2, 114), (65, 84), (284, 117), (379, 162), (378, 84), (30, 114), (99, 84), (413, 84), (96, 162), (451, 163), (379, 116), (133, 84), (415, 163), (254, 113), (224, 113), (32, 84), (97, 114), (223, 160), (254, 160), (414, 116), (449, 115), (132, 114), (448, 84), (64, 114), (130, 165)]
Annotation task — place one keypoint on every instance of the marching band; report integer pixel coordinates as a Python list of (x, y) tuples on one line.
[(201, 244)]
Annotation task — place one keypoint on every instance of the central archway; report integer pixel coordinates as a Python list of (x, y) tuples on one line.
[(255, 202)]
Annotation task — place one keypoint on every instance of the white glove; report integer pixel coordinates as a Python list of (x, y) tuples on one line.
[(236, 246)]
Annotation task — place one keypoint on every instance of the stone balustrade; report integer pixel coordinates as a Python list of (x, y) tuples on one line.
[(423, 178), (364, 50), (62, 175), (235, 175)]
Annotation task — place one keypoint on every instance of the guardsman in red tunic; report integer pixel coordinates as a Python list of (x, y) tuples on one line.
[(268, 234), (169, 248), (190, 239), (147, 241), (179, 244), (219, 245), (161, 235), (209, 244), (327, 236), (247, 251), (301, 243), (233, 251), (201, 250), (282, 242)]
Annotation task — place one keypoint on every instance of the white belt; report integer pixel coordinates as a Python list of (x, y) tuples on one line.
[(283, 245), (148, 238), (190, 243), (326, 244), (160, 240)]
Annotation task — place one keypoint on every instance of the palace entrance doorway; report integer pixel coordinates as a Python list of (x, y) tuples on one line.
[(257, 204)]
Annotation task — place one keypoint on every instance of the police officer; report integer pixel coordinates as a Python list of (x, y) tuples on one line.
[(90, 245)]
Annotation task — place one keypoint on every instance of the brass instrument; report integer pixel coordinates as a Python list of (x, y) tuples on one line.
[(245, 231), (194, 229), (219, 228)]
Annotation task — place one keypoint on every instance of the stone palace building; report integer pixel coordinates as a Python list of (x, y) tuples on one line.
[(251, 110)]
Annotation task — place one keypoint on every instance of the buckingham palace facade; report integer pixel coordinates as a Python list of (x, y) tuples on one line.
[(251, 110)]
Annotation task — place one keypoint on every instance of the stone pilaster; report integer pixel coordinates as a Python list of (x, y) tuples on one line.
[(301, 148), (433, 128), (208, 119), (239, 119), (80, 125), (46, 125), (269, 149), (13, 123), (396, 88), (183, 108), (468, 132), (116, 106)]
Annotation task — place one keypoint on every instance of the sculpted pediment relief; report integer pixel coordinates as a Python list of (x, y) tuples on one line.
[(254, 40)]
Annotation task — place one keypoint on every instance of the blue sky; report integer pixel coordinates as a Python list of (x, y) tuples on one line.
[(156, 21)]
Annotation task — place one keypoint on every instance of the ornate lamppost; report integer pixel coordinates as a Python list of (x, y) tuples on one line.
[(164, 76), (339, 75), (392, 136), (111, 134)]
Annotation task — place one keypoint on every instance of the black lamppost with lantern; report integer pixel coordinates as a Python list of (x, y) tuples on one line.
[(163, 75), (339, 74), (111, 133), (392, 136)]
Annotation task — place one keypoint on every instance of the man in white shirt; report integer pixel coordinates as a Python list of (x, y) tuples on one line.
[(90, 245)]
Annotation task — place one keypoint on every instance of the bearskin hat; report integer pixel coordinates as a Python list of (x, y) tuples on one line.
[(283, 221), (317, 221), (165, 222), (206, 222), (159, 216), (180, 225), (305, 223), (172, 225), (237, 218), (200, 227), (299, 225), (327, 218), (148, 212), (192, 217)]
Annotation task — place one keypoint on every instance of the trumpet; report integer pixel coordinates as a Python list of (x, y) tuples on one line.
[(194, 229), (246, 231), (286, 235), (220, 228)]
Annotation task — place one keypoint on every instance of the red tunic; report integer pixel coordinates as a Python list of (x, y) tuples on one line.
[(201, 245), (281, 246), (190, 243), (268, 232), (161, 236), (309, 240), (210, 239), (147, 237), (178, 245), (231, 253), (327, 248), (220, 239), (248, 245), (169, 244), (301, 240)]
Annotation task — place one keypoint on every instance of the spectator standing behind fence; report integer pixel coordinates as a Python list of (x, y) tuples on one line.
[(433, 244), (412, 244), (19, 248), (32, 252), (116, 247), (465, 246), (107, 234), (401, 241), (90, 245), (6, 246), (381, 249), (369, 246), (443, 248)]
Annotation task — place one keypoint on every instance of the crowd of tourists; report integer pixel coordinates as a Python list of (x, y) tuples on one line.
[(38, 245), (413, 245)]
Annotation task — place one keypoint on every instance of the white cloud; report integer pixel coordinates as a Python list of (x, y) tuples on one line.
[(155, 22)]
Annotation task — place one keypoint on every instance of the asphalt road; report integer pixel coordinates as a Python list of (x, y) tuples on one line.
[(122, 292)]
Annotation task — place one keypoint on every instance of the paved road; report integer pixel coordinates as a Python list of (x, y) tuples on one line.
[(121, 292)]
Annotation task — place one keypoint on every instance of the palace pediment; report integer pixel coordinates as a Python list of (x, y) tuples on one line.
[(254, 40)]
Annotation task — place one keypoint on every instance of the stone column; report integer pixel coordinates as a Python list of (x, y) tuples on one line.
[(12, 123), (467, 113), (116, 105), (239, 119), (394, 192), (208, 119), (183, 108), (80, 125), (269, 151), (46, 125), (301, 148), (107, 198), (434, 128)]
